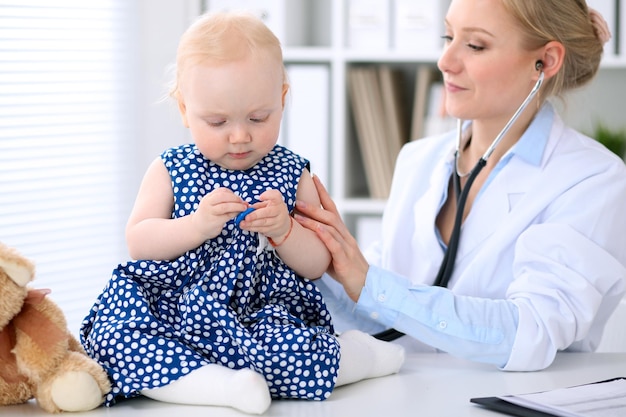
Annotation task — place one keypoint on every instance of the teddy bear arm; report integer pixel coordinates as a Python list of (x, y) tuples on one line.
[(41, 343)]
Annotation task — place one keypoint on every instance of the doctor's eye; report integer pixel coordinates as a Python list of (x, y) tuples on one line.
[(475, 47), (446, 38)]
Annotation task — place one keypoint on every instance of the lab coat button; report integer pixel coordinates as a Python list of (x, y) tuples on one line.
[(382, 298), (443, 324), (374, 315)]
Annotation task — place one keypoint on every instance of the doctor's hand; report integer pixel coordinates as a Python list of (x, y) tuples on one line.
[(348, 266)]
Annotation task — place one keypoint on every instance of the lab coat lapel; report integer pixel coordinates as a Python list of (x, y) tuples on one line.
[(511, 185), (425, 240), (427, 207), (490, 211), (520, 179)]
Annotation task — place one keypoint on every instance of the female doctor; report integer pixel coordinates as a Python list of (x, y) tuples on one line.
[(540, 258)]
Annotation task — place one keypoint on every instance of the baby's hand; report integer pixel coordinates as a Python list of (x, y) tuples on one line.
[(215, 209), (270, 216)]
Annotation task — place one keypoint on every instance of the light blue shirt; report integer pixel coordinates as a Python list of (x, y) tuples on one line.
[(541, 261)]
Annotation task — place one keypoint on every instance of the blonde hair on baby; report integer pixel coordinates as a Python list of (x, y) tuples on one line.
[(224, 37)]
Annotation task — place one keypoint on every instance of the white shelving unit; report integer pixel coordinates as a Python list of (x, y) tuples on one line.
[(347, 178), (327, 22)]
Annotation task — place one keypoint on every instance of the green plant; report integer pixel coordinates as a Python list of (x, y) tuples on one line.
[(614, 140)]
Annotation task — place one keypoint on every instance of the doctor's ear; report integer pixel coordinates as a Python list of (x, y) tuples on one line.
[(551, 60)]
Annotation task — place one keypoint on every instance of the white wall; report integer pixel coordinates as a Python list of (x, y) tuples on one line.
[(162, 22), (602, 101)]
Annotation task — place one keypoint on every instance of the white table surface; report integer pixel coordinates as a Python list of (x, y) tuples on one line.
[(428, 385)]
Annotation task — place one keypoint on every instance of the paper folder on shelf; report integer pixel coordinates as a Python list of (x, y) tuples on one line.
[(368, 24), (418, 26), (286, 18), (378, 123)]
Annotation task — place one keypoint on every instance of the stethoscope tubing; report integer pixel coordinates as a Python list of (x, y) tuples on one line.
[(447, 265), (449, 259)]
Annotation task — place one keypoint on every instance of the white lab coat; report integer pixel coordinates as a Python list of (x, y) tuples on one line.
[(548, 235)]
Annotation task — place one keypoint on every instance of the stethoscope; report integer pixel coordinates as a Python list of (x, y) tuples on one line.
[(447, 264)]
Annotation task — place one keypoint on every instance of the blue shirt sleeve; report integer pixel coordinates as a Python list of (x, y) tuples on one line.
[(477, 329)]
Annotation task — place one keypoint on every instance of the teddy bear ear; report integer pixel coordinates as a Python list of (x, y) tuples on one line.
[(19, 269)]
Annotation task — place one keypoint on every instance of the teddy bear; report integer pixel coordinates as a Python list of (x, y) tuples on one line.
[(39, 357)]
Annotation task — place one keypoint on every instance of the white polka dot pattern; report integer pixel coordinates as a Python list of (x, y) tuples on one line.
[(223, 302)]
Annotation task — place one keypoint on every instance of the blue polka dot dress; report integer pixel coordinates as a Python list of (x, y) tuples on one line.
[(232, 301)]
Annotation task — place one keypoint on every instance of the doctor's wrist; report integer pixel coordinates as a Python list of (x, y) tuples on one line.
[(354, 286)]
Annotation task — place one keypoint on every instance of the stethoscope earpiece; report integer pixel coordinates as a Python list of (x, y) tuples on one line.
[(539, 65)]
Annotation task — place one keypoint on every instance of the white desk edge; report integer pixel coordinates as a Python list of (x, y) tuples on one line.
[(428, 385)]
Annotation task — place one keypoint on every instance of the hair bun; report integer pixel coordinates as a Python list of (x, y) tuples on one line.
[(600, 26)]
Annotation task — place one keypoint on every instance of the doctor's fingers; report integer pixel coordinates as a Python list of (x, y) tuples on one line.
[(348, 266), (325, 199), (325, 231), (322, 216), (342, 246)]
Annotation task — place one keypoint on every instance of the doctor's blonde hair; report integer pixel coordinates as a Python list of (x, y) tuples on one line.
[(569, 23), (222, 37)]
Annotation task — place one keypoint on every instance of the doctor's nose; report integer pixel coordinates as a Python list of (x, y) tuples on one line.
[(447, 61)]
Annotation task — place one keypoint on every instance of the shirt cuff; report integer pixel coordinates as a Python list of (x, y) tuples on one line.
[(381, 286)]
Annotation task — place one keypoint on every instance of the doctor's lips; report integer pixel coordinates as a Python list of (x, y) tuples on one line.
[(453, 87)]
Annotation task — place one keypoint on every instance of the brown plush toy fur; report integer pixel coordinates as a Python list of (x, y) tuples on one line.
[(39, 357)]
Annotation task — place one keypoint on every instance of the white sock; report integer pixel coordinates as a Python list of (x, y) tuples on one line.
[(363, 356), (243, 389)]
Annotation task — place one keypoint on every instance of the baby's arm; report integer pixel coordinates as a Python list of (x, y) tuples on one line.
[(151, 233), (298, 247)]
